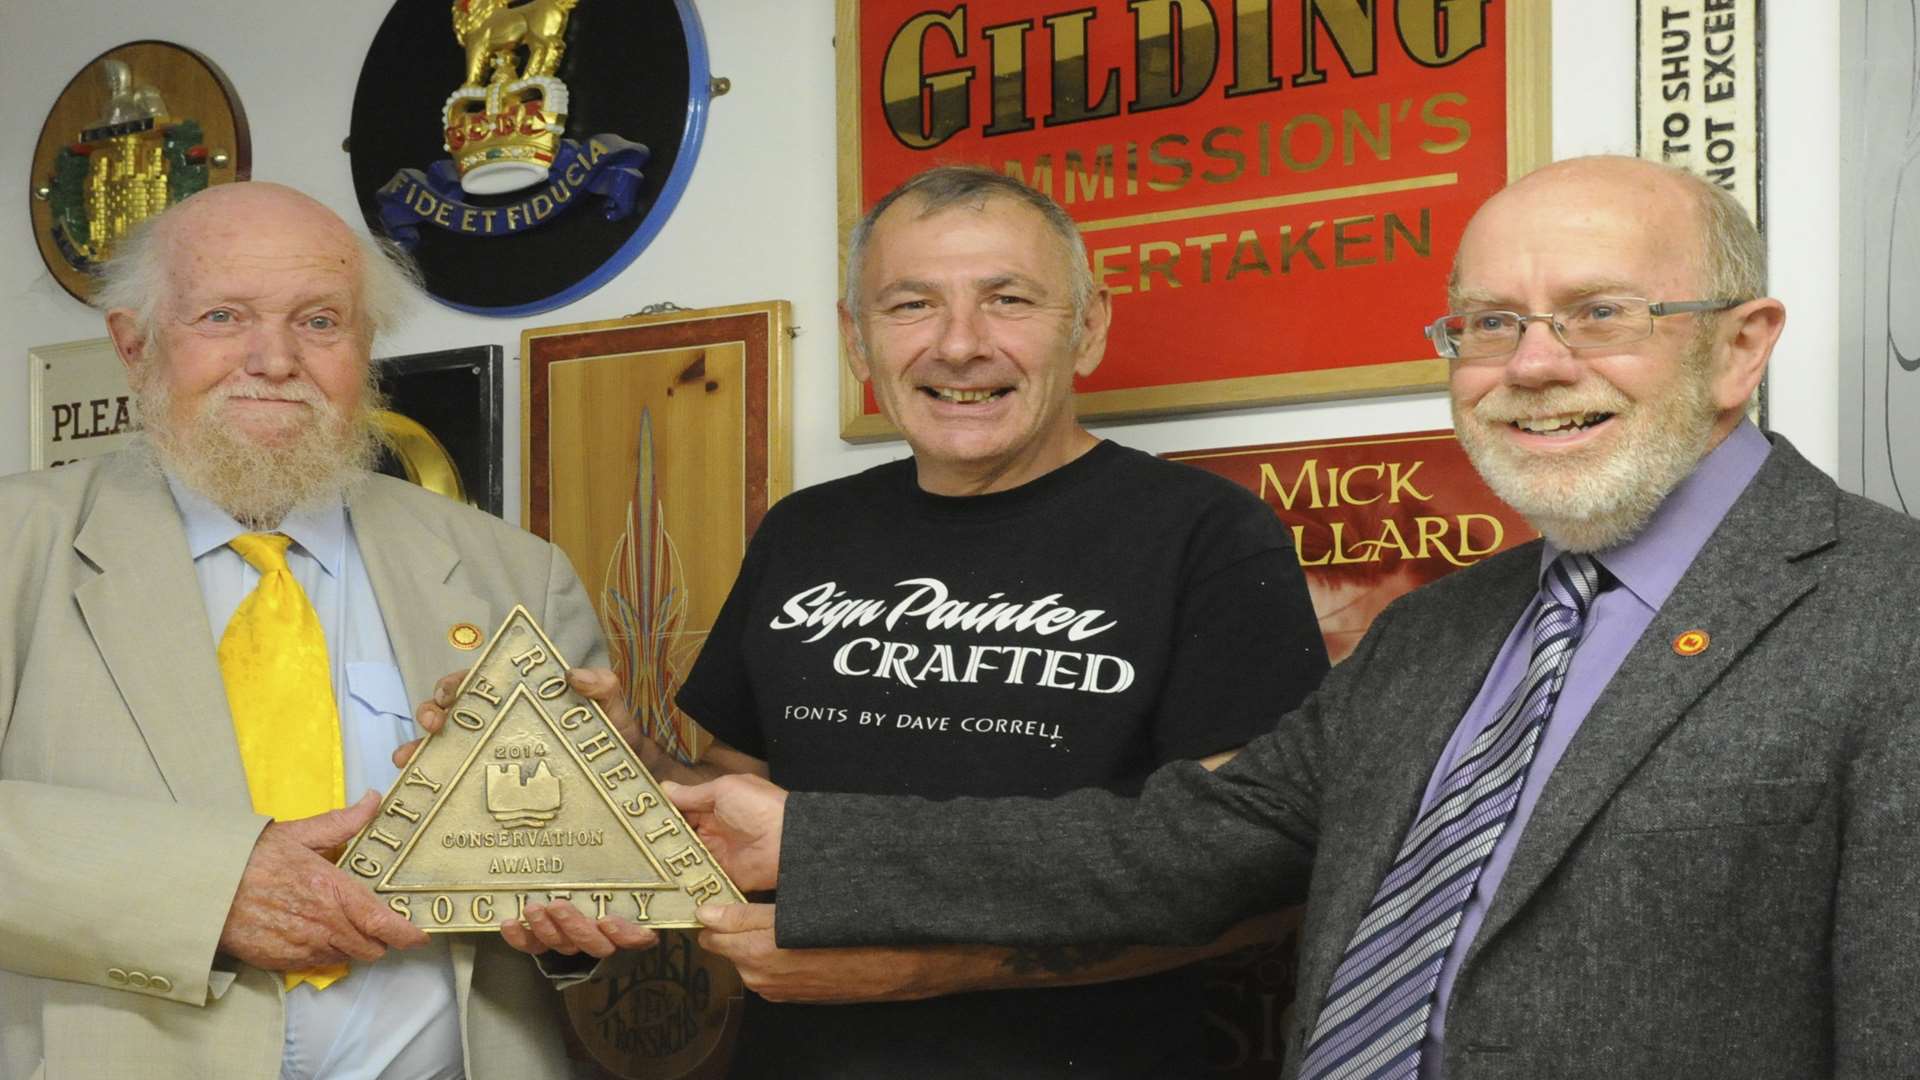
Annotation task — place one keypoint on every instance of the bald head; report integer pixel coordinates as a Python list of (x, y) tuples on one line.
[(224, 224), (1726, 259), (1654, 276)]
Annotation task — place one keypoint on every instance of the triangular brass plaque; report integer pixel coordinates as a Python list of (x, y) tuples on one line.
[(529, 795)]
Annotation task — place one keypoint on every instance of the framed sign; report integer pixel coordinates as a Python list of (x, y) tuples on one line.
[(1372, 518), (652, 447), (1700, 102), (1272, 192), (442, 423), (79, 405), (1701, 99)]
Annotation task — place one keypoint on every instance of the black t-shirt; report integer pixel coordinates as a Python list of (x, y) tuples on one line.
[(1115, 614)]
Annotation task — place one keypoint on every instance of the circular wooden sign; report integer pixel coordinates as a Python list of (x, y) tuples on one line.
[(671, 1013), (140, 127)]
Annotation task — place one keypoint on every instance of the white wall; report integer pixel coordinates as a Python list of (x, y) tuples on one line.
[(757, 221)]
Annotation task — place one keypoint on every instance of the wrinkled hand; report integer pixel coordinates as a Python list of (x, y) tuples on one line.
[(739, 818), (743, 933), (563, 928), (598, 684), (295, 909)]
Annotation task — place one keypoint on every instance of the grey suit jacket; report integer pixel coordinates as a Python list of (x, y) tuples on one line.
[(124, 815), (1721, 877)]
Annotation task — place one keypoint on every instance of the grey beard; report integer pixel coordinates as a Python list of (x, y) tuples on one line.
[(259, 485), (1636, 490), (1597, 504)]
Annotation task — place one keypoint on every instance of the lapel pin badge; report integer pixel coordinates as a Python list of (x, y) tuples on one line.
[(1691, 643), (464, 635)]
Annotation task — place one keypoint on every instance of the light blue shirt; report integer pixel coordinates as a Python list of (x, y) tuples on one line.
[(395, 1019)]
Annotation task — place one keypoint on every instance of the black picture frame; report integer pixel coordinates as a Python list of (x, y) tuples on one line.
[(456, 395)]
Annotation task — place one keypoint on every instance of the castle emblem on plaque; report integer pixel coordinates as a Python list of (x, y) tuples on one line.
[(132, 162), (518, 798), (521, 791), (126, 140)]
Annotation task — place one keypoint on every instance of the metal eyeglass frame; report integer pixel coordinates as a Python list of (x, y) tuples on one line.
[(1444, 346)]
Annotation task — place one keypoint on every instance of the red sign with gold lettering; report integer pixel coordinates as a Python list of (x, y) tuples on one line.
[(1372, 517), (1273, 192)]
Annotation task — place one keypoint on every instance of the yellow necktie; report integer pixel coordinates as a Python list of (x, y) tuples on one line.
[(273, 657)]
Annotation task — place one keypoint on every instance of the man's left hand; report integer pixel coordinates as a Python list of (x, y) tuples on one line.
[(743, 934), (560, 927)]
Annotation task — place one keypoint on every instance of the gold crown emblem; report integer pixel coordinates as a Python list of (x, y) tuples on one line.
[(503, 134), (503, 137)]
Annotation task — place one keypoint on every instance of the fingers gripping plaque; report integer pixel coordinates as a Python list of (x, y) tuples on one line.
[(529, 796)]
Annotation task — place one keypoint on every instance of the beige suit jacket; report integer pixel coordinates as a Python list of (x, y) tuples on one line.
[(124, 816)]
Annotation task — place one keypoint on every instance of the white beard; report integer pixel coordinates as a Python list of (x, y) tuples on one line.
[(1591, 500), (326, 453)]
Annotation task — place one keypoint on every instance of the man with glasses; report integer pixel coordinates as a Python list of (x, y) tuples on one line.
[(1639, 800)]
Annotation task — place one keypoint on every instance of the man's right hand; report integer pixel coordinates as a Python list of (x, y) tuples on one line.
[(296, 910), (739, 817)]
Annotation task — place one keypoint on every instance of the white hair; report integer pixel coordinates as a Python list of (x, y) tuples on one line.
[(135, 279)]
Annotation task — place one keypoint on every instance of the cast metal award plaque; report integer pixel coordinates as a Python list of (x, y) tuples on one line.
[(529, 795)]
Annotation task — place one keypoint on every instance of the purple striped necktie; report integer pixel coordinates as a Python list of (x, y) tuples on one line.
[(1375, 1014)]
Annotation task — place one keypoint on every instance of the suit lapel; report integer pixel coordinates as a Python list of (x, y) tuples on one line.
[(165, 669), (1743, 580), (411, 567)]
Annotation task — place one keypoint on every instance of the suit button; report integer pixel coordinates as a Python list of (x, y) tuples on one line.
[(161, 983), (116, 975), (138, 980)]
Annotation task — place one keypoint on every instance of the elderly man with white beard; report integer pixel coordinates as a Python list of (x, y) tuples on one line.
[(1636, 800), (206, 643)]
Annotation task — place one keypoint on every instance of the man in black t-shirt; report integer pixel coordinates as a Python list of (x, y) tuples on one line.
[(1019, 608)]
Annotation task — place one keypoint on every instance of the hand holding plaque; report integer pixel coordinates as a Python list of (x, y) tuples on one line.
[(529, 796)]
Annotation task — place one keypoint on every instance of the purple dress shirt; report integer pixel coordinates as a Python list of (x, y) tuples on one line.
[(1645, 571)]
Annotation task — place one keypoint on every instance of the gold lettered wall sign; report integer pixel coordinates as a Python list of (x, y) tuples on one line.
[(1372, 518), (529, 795), (140, 127), (1272, 191), (80, 406)]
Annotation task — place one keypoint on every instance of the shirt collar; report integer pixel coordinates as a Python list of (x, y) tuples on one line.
[(320, 531), (1651, 564)]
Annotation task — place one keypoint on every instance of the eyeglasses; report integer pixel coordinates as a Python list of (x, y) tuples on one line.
[(1596, 322)]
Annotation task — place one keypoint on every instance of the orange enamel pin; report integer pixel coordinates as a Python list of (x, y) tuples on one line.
[(1691, 643)]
